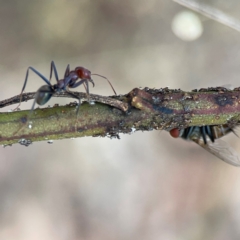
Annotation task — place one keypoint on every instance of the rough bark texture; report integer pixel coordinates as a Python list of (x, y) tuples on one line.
[(141, 109)]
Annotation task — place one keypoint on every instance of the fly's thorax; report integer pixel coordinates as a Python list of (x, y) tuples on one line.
[(190, 133), (205, 133), (220, 130)]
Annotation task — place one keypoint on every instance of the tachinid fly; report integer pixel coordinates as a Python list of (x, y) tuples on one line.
[(208, 138)]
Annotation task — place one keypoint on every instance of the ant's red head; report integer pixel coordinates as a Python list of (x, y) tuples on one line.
[(83, 73)]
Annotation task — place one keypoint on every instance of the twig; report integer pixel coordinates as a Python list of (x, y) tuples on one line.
[(148, 109), (112, 101)]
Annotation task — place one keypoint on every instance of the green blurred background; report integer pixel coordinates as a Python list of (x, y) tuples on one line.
[(146, 185)]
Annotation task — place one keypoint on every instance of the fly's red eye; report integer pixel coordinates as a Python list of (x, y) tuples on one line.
[(83, 73), (174, 133)]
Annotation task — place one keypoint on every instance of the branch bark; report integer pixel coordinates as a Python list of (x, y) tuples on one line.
[(141, 109)]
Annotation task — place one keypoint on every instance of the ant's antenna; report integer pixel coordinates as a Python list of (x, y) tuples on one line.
[(107, 80)]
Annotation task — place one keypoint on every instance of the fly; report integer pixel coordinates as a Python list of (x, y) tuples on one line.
[(208, 138)]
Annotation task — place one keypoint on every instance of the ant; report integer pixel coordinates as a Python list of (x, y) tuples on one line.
[(70, 80)]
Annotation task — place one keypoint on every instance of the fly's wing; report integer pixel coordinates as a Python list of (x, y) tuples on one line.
[(221, 150)]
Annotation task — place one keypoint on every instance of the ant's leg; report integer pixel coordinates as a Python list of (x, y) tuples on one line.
[(76, 84), (53, 68), (27, 119), (79, 104), (67, 71), (25, 82), (79, 99), (31, 111), (34, 102), (71, 94), (38, 73), (87, 87), (85, 83)]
